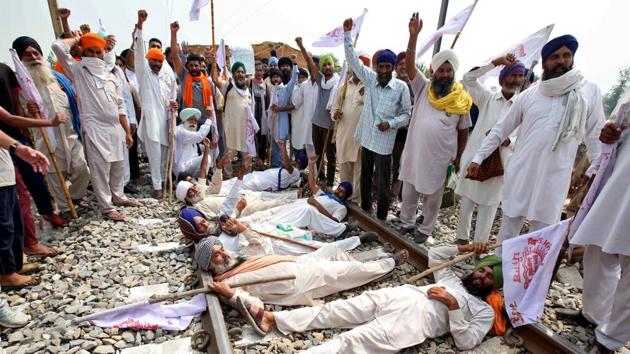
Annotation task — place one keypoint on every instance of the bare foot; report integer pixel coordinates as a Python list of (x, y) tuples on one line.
[(401, 257), (40, 250), (17, 281)]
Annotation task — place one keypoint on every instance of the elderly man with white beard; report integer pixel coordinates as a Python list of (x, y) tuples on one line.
[(58, 97), (187, 138), (318, 274)]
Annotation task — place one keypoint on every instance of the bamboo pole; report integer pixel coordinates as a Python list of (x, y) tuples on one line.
[(171, 156), (212, 20), (53, 157), (452, 262), (455, 40), (54, 17), (288, 240), (175, 296)]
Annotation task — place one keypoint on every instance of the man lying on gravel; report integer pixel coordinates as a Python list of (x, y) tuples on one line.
[(391, 319), (318, 274)]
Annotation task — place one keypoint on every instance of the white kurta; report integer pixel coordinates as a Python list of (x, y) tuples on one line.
[(186, 144), (347, 147), (235, 117), (298, 116), (310, 92), (536, 181), (318, 274), (155, 92), (431, 143), (492, 107), (267, 180), (381, 318)]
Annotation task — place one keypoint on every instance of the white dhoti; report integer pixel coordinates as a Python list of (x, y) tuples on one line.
[(430, 208), (192, 167), (485, 218), (157, 153)]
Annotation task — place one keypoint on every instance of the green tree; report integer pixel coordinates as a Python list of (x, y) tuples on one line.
[(423, 68), (615, 92)]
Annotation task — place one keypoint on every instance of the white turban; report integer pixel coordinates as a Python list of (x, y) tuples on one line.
[(182, 190), (446, 55)]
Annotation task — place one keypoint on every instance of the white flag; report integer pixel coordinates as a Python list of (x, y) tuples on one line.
[(334, 38), (221, 55), (454, 25), (31, 93), (195, 9), (526, 51), (528, 263)]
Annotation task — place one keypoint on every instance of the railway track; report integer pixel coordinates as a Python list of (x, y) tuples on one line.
[(536, 338)]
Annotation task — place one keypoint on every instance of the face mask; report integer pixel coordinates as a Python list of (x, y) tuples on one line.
[(95, 65)]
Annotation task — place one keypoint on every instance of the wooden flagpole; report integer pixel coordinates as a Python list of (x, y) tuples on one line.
[(212, 20), (62, 181), (171, 156), (54, 18)]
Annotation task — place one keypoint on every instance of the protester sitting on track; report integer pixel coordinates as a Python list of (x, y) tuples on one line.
[(391, 319), (318, 274)]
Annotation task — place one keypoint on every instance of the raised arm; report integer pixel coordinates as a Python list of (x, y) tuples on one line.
[(312, 67), (355, 64), (140, 63), (415, 26), (203, 169), (178, 65), (23, 122), (63, 15), (286, 162), (61, 48), (312, 174)]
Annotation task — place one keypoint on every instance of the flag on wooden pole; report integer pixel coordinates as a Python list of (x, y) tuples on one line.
[(196, 7), (453, 26), (221, 60), (334, 38)]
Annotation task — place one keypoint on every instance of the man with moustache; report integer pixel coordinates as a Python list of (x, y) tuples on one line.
[(158, 96), (492, 107), (237, 107), (401, 134), (386, 108), (58, 97), (436, 137), (298, 116), (553, 117), (281, 106)]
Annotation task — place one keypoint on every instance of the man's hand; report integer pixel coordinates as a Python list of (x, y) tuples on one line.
[(211, 57), (281, 144), (440, 294), (241, 204), (472, 171), (383, 126), (298, 41), (85, 28), (63, 13), (129, 140), (477, 247), (36, 159), (206, 143), (133, 129), (235, 225), (293, 58), (506, 142), (347, 25), (174, 27), (337, 115), (110, 42), (173, 105), (60, 118), (311, 201), (507, 59), (415, 24), (275, 108), (32, 108), (222, 289), (611, 133), (142, 17)]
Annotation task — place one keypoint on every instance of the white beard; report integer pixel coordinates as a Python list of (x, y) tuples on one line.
[(230, 263), (194, 200), (41, 74), (190, 127)]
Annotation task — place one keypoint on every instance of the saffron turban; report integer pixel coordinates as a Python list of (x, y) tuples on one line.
[(90, 40), (325, 59), (347, 186), (517, 67), (204, 250), (155, 53), (386, 56), (20, 45), (493, 262), (273, 61), (182, 189), (563, 41), (285, 61), (236, 66), (400, 57), (446, 55), (189, 112), (302, 160)]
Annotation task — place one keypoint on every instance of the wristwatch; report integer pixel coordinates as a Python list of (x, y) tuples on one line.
[(13, 147)]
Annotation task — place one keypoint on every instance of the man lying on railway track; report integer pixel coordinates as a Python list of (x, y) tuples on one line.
[(391, 319), (318, 274)]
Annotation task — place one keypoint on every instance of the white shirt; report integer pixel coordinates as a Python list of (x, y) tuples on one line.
[(268, 179), (298, 116), (7, 172), (431, 143), (336, 209), (536, 181), (492, 107), (186, 143), (127, 96), (310, 92)]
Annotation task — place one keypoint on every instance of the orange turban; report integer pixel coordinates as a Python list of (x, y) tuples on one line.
[(155, 53), (365, 59), (90, 40)]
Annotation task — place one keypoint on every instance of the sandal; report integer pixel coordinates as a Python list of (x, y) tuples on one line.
[(29, 268), (30, 281), (114, 216), (56, 220), (256, 321)]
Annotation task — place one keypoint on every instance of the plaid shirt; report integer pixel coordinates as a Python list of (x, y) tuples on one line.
[(389, 104)]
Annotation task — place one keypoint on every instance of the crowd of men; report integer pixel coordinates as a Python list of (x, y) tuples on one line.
[(390, 130)]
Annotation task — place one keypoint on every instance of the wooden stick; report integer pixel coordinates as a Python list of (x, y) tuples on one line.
[(295, 242), (456, 38), (161, 298), (171, 157), (212, 20), (54, 17), (62, 181), (452, 262)]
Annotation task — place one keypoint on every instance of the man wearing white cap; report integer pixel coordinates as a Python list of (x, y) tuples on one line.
[(437, 134), (187, 159)]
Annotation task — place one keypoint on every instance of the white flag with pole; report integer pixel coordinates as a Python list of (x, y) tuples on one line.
[(195, 9), (453, 26), (334, 38), (221, 61)]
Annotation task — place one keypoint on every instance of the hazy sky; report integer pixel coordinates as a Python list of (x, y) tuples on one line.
[(600, 26)]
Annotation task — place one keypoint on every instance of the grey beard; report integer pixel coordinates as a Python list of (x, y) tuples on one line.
[(41, 74), (441, 90), (240, 83), (192, 128), (194, 200), (230, 264)]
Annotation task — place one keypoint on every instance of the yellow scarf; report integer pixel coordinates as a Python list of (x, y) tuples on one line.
[(456, 102)]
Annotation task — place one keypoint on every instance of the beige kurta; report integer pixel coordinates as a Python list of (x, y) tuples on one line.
[(347, 145), (235, 117)]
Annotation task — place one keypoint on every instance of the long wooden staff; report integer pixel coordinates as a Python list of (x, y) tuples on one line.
[(62, 181), (288, 240), (171, 156), (452, 262), (175, 296), (332, 123)]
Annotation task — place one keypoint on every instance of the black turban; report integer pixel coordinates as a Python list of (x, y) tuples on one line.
[(21, 43), (285, 61)]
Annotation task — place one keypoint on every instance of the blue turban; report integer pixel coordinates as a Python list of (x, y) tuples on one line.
[(273, 61), (188, 214), (347, 186), (563, 41), (302, 160), (517, 67), (386, 56)]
